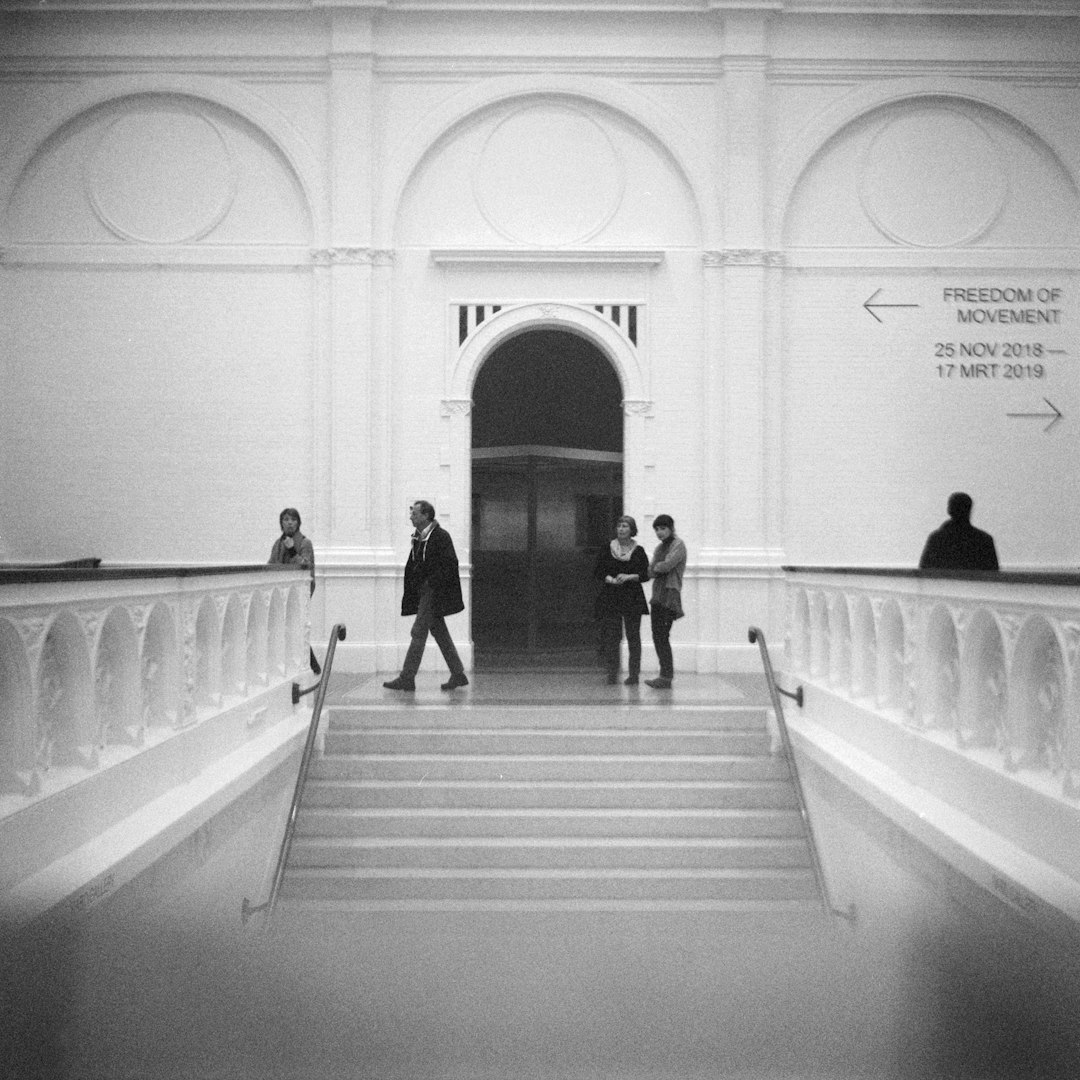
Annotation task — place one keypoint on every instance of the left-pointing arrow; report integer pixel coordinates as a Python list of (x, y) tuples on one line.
[(870, 305), (1054, 416)]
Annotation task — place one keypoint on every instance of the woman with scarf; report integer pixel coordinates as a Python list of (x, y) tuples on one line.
[(621, 569), (666, 570)]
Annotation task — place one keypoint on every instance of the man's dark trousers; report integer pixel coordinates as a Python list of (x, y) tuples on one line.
[(426, 622)]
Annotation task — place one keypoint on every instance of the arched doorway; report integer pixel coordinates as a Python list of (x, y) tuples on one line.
[(547, 477)]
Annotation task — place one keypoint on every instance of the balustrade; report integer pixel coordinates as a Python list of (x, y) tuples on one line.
[(994, 659), (96, 664)]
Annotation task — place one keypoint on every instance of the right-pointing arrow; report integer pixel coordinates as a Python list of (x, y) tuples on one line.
[(1055, 415)]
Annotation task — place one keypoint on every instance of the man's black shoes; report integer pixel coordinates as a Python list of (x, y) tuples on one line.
[(454, 682), (400, 683)]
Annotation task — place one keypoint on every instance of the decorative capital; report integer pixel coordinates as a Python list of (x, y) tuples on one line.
[(455, 406), (351, 256), (743, 257), (637, 407)]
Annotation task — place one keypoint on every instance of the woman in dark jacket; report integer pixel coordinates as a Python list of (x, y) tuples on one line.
[(621, 569)]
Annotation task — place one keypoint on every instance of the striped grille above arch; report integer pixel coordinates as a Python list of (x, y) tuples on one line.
[(471, 316)]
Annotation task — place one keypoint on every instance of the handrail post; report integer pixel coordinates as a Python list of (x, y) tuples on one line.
[(775, 692), (247, 909)]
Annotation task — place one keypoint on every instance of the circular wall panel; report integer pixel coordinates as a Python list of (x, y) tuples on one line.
[(548, 174), (161, 176), (933, 178)]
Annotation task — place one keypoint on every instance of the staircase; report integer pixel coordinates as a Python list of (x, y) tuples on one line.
[(497, 806)]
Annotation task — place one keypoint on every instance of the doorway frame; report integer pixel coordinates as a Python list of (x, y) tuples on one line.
[(464, 363)]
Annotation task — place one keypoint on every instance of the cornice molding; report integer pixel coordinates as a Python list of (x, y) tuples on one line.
[(929, 8), (459, 68), (831, 71), (548, 256)]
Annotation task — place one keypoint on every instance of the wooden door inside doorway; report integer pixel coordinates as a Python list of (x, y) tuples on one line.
[(540, 517)]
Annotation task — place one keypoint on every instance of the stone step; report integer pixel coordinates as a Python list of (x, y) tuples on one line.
[(458, 794), (794, 908), (488, 821), (557, 852), (500, 806), (516, 740), (429, 768), (397, 886), (547, 718)]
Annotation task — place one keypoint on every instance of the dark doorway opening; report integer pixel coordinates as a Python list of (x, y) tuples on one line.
[(547, 438)]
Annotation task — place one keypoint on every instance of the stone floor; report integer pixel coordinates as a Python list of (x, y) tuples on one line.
[(554, 686)]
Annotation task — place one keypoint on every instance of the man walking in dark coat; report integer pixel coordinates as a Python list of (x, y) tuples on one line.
[(432, 591), (957, 544)]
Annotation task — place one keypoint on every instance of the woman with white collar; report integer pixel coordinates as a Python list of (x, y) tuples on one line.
[(621, 569)]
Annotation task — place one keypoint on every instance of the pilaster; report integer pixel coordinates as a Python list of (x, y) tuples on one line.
[(736, 285), (347, 433)]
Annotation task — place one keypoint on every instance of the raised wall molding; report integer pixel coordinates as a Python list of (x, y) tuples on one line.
[(109, 256), (902, 258)]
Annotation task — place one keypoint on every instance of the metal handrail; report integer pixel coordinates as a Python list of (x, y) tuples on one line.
[(248, 909), (775, 692)]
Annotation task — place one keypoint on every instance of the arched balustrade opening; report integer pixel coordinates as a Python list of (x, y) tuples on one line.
[(839, 643), (1037, 695), (16, 710), (117, 688), (891, 653), (160, 669), (940, 683), (233, 647), (275, 633), (819, 636), (64, 732), (257, 623), (984, 684), (294, 628), (799, 635), (864, 650), (207, 655)]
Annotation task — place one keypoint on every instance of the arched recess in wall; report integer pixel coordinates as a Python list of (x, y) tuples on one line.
[(911, 196), (147, 224), (877, 101), (155, 167), (933, 171), (544, 170)]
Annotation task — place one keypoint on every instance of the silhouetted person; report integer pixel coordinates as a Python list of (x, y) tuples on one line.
[(432, 591), (293, 548), (957, 544), (621, 568)]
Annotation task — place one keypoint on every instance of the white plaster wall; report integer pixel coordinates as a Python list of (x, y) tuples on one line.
[(263, 323), (902, 204), (157, 414), (158, 346)]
